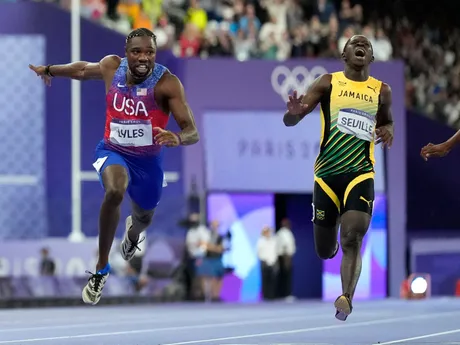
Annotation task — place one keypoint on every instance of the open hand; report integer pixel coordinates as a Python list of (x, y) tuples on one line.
[(40, 71), (166, 138), (384, 136), (432, 150), (295, 105)]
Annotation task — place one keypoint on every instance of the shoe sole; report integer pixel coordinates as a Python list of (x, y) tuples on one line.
[(343, 308)]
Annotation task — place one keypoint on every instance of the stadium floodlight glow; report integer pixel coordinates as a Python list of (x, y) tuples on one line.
[(417, 286)]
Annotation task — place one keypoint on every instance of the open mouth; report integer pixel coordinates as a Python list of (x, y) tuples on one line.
[(142, 69), (360, 52)]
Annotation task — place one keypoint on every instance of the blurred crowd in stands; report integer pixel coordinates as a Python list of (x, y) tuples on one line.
[(281, 29)]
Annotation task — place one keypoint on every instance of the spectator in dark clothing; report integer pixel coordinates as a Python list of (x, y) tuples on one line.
[(47, 265), (112, 9), (324, 10), (268, 256)]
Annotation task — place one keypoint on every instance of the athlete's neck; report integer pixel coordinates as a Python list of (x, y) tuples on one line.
[(132, 80), (356, 74)]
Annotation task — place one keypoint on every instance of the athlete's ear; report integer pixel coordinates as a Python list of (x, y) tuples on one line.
[(344, 57), (372, 58)]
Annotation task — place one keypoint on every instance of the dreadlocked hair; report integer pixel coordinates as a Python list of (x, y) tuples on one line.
[(142, 32)]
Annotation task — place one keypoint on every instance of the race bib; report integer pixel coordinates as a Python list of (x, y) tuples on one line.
[(131, 132), (357, 122)]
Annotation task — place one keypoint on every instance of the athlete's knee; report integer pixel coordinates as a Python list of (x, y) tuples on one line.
[(115, 179), (352, 234), (325, 241), (351, 238), (114, 196), (326, 252), (144, 218)]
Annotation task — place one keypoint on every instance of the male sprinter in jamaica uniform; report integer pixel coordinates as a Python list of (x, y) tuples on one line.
[(355, 113)]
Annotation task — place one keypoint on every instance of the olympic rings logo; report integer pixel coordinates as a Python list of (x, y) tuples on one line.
[(284, 81)]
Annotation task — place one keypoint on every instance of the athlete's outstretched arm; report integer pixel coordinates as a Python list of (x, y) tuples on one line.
[(300, 107), (384, 127), (172, 92), (80, 70), (442, 149)]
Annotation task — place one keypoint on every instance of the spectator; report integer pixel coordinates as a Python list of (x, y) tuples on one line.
[(333, 29), (152, 9), (294, 15), (277, 11), (383, 49), (324, 10), (249, 20), (347, 34), (268, 255), (286, 249), (190, 41), (194, 242), (279, 29), (217, 41), (210, 268), (245, 45), (269, 46), (317, 35), (350, 15), (112, 12), (165, 33), (238, 9), (196, 15), (174, 10), (369, 32), (228, 22), (47, 265), (299, 41)]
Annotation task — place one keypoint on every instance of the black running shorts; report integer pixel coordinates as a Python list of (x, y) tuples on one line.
[(334, 195)]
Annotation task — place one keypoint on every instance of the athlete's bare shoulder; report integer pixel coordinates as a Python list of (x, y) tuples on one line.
[(168, 85), (322, 83), (325, 79), (385, 90), (316, 91), (110, 62), (108, 66)]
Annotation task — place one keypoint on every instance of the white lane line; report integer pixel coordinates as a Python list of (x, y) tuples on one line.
[(231, 324), (156, 321), (313, 329), (431, 335), (150, 321)]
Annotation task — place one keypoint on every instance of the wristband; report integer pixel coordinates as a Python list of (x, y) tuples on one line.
[(178, 137), (47, 71)]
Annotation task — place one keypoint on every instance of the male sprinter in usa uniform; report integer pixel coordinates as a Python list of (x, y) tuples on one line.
[(140, 95), (354, 108)]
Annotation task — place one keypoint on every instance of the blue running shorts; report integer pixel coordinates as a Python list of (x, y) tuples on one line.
[(146, 176)]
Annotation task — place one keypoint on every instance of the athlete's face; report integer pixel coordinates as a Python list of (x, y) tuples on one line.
[(140, 53), (358, 51)]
